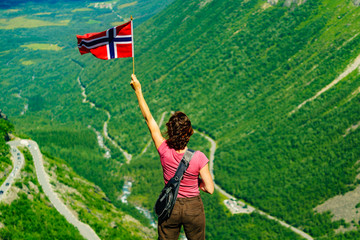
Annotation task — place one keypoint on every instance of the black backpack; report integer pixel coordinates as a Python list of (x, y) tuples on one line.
[(166, 201)]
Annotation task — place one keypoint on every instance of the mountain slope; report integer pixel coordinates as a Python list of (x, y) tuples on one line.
[(239, 70)]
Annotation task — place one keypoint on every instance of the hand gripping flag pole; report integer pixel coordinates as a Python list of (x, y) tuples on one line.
[(116, 42)]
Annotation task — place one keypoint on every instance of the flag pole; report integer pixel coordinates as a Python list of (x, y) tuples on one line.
[(132, 33)]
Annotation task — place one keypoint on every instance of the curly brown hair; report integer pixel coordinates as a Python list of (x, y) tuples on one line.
[(179, 131)]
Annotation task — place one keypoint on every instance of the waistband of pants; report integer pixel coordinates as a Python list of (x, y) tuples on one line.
[(188, 199)]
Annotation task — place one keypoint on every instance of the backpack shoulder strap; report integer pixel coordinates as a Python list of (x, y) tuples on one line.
[(188, 156), (184, 164)]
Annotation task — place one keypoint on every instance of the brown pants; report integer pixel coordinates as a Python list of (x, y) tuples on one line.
[(187, 212)]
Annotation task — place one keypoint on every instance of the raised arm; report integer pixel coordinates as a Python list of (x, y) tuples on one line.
[(150, 121)]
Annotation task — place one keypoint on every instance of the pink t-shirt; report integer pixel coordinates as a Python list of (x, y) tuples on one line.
[(170, 160)]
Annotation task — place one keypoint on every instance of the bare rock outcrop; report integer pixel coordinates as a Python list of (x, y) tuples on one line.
[(273, 2), (289, 3), (2, 115)]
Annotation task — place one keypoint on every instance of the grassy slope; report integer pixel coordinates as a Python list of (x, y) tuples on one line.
[(238, 71)]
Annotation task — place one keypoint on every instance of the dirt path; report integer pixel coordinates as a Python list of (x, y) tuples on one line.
[(352, 128), (347, 71)]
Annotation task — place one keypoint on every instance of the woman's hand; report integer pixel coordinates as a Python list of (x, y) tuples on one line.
[(135, 84), (202, 185)]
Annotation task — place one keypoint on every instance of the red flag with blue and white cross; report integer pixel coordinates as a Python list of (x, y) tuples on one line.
[(116, 42)]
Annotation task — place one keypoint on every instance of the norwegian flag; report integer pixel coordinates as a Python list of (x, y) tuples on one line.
[(116, 42)]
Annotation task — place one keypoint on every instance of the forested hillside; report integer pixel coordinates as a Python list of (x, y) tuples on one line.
[(241, 70), (277, 87)]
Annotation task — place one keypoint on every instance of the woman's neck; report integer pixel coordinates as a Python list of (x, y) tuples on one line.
[(182, 150)]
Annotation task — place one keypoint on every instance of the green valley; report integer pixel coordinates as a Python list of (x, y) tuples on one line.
[(274, 83)]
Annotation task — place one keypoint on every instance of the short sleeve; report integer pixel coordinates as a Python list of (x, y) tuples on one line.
[(162, 149), (202, 160)]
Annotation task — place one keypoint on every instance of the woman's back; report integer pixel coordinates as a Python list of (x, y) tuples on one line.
[(170, 159)]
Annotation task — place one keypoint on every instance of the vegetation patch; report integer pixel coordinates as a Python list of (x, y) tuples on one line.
[(27, 62), (116, 23), (42, 46), (43, 14), (82, 10), (23, 22), (4, 52), (127, 5), (12, 10), (92, 21)]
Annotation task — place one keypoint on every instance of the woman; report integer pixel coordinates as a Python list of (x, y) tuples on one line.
[(188, 210)]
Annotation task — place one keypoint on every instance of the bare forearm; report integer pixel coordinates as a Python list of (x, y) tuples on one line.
[(150, 121), (205, 188), (143, 106)]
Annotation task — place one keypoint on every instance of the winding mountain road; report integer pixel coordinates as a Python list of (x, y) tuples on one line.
[(85, 230), (239, 206), (18, 163)]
